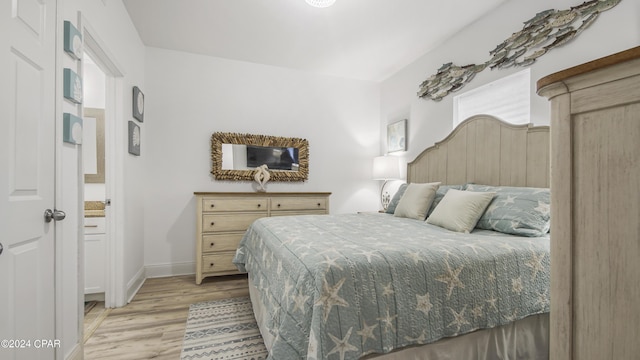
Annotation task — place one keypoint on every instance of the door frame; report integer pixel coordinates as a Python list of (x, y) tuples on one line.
[(115, 294)]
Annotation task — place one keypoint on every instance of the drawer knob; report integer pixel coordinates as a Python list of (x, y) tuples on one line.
[(211, 265), (278, 205), (212, 223), (318, 204), (212, 205), (259, 205), (212, 244)]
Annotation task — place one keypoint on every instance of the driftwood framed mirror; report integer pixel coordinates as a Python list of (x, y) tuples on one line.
[(235, 156)]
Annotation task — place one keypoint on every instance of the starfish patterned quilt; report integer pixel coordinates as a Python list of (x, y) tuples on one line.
[(343, 286)]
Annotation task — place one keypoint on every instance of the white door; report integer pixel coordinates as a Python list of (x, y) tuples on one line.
[(27, 139)]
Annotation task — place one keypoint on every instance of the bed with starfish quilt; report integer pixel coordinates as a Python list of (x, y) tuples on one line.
[(351, 285)]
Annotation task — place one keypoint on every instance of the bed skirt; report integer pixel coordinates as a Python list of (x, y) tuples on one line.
[(527, 338)]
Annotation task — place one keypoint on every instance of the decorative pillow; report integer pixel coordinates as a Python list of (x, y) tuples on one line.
[(391, 208), (460, 210), (416, 200), (440, 194), (520, 211)]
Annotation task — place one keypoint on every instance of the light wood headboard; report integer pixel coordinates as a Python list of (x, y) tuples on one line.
[(486, 150)]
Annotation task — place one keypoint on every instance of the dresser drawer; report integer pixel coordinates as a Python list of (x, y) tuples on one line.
[(298, 203), (221, 242), (298, 212), (218, 262), (224, 222), (241, 204)]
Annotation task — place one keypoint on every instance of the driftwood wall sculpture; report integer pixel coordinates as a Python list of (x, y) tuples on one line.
[(547, 30)]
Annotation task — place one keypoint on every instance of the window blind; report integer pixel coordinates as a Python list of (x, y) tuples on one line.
[(508, 98)]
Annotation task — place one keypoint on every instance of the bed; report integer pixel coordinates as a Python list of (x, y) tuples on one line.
[(356, 286)]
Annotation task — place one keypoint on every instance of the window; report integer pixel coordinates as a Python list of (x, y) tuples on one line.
[(507, 98)]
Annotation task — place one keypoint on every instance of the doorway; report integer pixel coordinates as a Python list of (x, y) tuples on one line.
[(96, 213), (108, 90), (95, 195)]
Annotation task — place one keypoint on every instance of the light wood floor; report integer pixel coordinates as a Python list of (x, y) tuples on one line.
[(152, 325)]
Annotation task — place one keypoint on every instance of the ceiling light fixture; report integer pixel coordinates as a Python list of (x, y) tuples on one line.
[(320, 3)]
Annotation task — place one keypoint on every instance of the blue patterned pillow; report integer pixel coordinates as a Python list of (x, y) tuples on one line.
[(391, 208), (440, 194), (520, 211)]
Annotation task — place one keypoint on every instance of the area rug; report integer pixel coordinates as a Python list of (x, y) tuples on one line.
[(222, 329)]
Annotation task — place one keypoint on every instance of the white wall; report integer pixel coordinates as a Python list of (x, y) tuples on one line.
[(615, 30), (189, 97)]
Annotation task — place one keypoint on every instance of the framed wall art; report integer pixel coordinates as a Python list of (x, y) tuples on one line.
[(72, 87), (138, 104), (134, 138), (71, 129), (72, 41), (397, 136)]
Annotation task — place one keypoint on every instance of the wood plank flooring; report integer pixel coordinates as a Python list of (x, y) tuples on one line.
[(152, 325)]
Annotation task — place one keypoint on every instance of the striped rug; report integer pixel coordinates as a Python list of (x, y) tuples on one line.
[(222, 329)]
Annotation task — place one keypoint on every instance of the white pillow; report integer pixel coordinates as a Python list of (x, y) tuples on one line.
[(460, 210), (416, 200)]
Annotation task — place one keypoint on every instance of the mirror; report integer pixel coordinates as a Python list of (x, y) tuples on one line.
[(93, 145), (235, 156), (249, 157)]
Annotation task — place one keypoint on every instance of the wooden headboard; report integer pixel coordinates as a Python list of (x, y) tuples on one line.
[(486, 150)]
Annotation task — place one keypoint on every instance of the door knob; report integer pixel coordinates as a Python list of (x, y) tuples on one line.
[(56, 215)]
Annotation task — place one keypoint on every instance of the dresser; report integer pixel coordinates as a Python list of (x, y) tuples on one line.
[(223, 218), (595, 202)]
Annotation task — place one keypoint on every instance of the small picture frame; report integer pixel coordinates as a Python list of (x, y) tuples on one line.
[(72, 86), (134, 138), (72, 41), (138, 104), (397, 136)]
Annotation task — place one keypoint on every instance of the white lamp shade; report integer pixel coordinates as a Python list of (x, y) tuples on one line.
[(386, 168)]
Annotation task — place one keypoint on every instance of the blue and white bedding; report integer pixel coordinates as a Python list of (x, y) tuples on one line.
[(343, 286)]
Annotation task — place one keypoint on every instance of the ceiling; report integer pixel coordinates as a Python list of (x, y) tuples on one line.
[(359, 39)]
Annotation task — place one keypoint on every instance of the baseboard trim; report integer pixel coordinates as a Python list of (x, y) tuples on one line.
[(173, 269), (135, 284), (94, 297)]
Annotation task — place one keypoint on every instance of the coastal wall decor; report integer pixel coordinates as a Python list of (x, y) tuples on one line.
[(134, 139), (72, 40), (72, 87), (397, 136), (138, 104), (547, 30), (71, 129)]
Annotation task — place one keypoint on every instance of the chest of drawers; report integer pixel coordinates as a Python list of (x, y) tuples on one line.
[(223, 218)]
